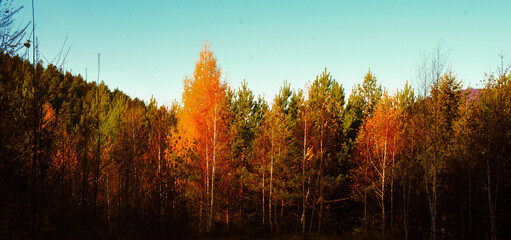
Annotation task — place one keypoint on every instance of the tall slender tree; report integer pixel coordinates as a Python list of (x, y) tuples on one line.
[(326, 103), (204, 122), (377, 149), (438, 114)]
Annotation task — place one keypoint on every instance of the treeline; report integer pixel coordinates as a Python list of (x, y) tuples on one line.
[(79, 161)]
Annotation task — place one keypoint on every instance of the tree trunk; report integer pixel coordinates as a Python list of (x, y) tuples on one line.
[(227, 213), (34, 166), (320, 213), (207, 193), (201, 210), (383, 176), (263, 198), (392, 188), (303, 174), (84, 177), (98, 162), (241, 202), (382, 199), (213, 172), (35, 133), (469, 205), (365, 209), (433, 199), (313, 206), (490, 202), (405, 213), (107, 203), (275, 215), (212, 195), (271, 186), (391, 201), (281, 209)]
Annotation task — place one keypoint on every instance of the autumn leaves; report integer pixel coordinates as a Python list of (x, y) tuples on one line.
[(204, 126), (288, 163), (223, 133)]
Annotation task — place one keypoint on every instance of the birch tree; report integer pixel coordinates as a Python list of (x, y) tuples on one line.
[(204, 123)]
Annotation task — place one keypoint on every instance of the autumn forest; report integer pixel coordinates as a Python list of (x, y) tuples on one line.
[(78, 160)]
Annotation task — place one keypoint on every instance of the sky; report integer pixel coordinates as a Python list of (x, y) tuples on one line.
[(148, 47)]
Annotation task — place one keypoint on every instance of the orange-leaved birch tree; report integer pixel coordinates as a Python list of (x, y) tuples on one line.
[(377, 148), (204, 125)]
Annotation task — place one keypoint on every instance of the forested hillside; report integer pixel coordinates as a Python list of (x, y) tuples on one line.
[(80, 161)]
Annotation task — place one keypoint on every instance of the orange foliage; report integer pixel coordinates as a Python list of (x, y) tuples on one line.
[(49, 115), (203, 125), (378, 145)]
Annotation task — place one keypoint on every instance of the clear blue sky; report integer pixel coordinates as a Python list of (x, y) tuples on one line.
[(147, 47)]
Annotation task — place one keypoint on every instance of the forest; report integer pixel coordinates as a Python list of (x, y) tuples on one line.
[(81, 161)]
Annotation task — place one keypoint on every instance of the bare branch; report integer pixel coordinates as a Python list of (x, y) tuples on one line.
[(11, 37), (503, 70), (431, 67)]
